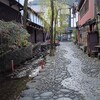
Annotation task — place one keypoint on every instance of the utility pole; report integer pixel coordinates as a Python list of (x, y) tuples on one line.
[(69, 17), (73, 20), (73, 12)]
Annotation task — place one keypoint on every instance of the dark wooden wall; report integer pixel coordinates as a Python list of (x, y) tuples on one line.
[(36, 35), (39, 36), (8, 14)]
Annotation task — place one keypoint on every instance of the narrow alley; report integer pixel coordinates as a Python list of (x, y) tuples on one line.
[(49, 49), (69, 75)]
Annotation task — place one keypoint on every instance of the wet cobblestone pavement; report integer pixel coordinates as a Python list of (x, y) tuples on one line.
[(69, 75)]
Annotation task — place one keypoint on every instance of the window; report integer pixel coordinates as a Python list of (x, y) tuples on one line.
[(31, 15), (35, 19), (84, 8)]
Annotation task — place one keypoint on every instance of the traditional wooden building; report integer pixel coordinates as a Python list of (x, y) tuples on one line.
[(35, 26), (11, 10), (88, 33), (97, 10)]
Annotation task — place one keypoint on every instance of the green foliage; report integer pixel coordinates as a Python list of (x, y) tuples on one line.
[(12, 33), (61, 8), (75, 35)]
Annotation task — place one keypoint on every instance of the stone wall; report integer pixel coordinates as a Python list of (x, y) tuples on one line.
[(84, 38), (18, 56)]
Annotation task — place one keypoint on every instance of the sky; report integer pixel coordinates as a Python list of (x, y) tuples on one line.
[(72, 21), (22, 1), (68, 1)]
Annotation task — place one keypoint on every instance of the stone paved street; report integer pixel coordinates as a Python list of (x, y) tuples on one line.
[(69, 75)]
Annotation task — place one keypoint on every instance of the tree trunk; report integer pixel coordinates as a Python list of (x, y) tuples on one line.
[(55, 33), (25, 13), (51, 28)]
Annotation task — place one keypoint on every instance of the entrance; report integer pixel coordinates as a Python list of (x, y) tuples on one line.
[(92, 40)]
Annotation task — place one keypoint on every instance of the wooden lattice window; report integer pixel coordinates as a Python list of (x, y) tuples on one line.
[(84, 8)]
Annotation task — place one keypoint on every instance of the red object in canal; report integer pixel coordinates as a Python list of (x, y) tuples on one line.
[(42, 63)]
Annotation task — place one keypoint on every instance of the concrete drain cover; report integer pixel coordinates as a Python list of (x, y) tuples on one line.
[(64, 99)]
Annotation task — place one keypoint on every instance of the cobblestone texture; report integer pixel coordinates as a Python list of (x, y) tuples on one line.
[(69, 75)]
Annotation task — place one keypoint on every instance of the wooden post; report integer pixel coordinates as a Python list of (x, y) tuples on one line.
[(12, 65)]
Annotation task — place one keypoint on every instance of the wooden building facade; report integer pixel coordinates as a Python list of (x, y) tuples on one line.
[(35, 26), (10, 10), (88, 34)]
